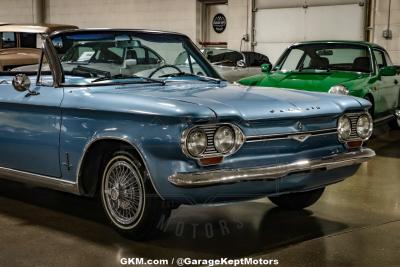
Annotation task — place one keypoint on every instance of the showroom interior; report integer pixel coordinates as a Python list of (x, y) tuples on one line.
[(355, 222)]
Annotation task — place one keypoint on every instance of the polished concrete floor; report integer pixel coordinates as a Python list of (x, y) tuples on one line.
[(356, 223)]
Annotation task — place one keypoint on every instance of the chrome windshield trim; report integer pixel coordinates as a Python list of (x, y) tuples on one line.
[(226, 176), (299, 136), (39, 180)]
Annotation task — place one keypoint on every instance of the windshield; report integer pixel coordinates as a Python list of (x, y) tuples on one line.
[(135, 56), (342, 57)]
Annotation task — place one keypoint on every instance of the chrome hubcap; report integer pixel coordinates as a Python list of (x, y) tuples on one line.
[(123, 192)]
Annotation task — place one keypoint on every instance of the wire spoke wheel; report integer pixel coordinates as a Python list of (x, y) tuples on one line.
[(123, 191)]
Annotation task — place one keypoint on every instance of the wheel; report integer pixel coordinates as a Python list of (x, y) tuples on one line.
[(297, 201), (395, 123), (128, 198)]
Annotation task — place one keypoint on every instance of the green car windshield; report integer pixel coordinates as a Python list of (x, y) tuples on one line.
[(329, 56)]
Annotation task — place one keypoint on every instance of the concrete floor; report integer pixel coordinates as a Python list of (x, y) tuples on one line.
[(356, 223)]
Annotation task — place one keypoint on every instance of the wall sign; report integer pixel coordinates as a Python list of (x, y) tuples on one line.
[(219, 23)]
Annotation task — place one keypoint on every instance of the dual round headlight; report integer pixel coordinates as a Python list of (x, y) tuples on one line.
[(222, 140), (362, 127), (344, 127), (196, 142)]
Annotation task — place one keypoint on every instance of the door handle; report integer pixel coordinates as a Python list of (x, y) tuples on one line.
[(396, 81)]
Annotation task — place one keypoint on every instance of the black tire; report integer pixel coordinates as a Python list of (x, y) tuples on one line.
[(395, 123), (129, 200), (297, 201)]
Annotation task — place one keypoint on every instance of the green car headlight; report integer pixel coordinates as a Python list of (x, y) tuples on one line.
[(338, 90)]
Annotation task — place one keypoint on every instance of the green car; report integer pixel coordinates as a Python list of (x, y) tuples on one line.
[(354, 68)]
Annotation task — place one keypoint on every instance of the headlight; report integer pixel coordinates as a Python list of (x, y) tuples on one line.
[(224, 139), (338, 90), (196, 142), (344, 127), (364, 126)]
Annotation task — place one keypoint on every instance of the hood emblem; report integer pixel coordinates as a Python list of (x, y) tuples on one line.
[(300, 126)]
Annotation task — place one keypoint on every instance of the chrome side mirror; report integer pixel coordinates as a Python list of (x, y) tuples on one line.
[(241, 63), (21, 82)]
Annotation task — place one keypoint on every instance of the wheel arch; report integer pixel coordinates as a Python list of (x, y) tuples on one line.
[(371, 98), (89, 167)]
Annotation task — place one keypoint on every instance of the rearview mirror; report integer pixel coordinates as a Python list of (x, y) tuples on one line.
[(21, 82), (130, 62), (266, 67), (388, 71)]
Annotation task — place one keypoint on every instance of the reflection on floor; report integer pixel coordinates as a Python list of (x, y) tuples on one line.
[(356, 223)]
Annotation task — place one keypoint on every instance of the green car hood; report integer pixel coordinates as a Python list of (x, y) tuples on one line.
[(310, 81)]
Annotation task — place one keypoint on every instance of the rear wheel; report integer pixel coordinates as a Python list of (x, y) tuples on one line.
[(129, 200), (297, 201)]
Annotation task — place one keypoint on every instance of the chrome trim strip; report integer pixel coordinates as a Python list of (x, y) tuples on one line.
[(39, 180), (217, 177), (294, 135), (386, 118)]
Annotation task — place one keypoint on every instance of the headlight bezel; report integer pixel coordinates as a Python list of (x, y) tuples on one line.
[(354, 118), (338, 89), (239, 140)]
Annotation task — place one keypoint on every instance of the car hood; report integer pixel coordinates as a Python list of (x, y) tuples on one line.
[(244, 102), (310, 81)]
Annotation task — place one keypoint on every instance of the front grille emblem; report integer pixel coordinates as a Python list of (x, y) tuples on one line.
[(300, 126), (301, 137)]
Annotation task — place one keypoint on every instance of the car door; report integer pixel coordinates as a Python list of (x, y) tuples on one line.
[(387, 87), (30, 125)]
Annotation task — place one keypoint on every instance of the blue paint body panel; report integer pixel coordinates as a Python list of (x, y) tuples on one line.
[(152, 117)]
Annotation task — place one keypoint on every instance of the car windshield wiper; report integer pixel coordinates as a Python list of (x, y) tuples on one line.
[(124, 76), (93, 72), (199, 77)]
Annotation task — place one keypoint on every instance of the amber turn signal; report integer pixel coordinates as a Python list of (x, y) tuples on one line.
[(354, 144), (211, 161)]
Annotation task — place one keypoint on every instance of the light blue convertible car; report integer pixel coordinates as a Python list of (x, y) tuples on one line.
[(118, 114)]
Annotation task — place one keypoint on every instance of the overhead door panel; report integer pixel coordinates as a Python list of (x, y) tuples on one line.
[(278, 24), (278, 28), (334, 22)]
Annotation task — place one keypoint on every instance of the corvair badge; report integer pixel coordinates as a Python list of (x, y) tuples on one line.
[(301, 137)]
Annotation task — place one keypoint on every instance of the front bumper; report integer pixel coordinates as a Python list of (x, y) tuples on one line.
[(224, 176)]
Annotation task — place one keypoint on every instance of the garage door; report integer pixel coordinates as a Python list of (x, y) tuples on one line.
[(279, 25)]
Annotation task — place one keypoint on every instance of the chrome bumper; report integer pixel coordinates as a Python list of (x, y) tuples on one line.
[(197, 179)]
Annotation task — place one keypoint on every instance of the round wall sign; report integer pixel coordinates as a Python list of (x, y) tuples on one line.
[(219, 23)]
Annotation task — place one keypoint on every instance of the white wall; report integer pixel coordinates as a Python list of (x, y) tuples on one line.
[(239, 20), (17, 11), (172, 15), (381, 16)]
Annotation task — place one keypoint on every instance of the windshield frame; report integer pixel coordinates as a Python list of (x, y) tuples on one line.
[(194, 50), (278, 65)]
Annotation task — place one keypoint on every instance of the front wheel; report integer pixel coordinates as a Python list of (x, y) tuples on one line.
[(297, 201), (129, 200)]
